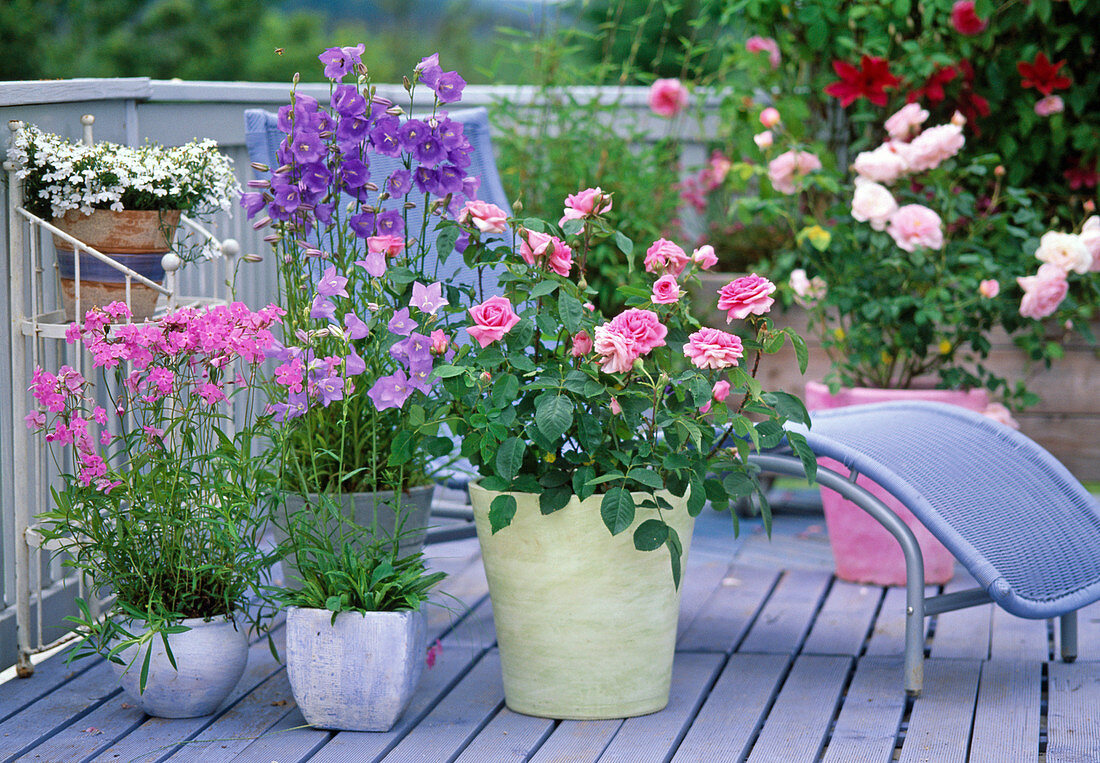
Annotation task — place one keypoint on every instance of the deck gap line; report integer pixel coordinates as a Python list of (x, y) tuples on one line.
[(755, 615), (137, 723), (1044, 704), (974, 713), (486, 720), (69, 721), (841, 699), (77, 672), (820, 605), (704, 695), (1054, 650), (543, 739), (769, 705), (457, 621), (903, 727), (311, 755), (882, 590)]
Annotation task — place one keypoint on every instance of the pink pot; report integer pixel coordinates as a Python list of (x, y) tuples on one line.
[(864, 550)]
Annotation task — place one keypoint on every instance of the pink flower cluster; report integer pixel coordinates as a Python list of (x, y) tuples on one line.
[(909, 150), (694, 189), (626, 337), (787, 170), (543, 249), (189, 353), (1061, 254), (767, 45)]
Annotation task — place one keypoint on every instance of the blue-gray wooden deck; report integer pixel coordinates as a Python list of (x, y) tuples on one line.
[(777, 661)]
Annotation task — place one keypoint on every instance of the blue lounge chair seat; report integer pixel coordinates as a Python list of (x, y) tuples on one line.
[(1019, 522)]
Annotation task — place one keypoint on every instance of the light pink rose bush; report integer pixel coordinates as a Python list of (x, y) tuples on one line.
[(665, 290), (906, 122), (1043, 292), (1090, 237), (873, 203), (1065, 250), (757, 44), (712, 348), (933, 147), (884, 164), (787, 170), (588, 203), (488, 218), (665, 256), (915, 225)]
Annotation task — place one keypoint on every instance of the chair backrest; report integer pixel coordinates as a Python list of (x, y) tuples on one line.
[(263, 138)]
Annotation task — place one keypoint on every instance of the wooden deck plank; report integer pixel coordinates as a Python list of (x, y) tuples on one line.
[(939, 725), (452, 665), (99, 729), (701, 579), (964, 633), (785, 619), (725, 617), (888, 635), (799, 721), (288, 741), (456, 598), (655, 737), (156, 736), (867, 728), (456, 720), (508, 737), (1073, 724), (67, 705), (1006, 720), (48, 676), (1018, 638), (577, 741), (242, 724), (845, 619), (735, 709)]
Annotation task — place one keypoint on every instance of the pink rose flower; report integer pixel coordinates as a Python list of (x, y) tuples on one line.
[(665, 290), (664, 255), (933, 146), (560, 258), (714, 349), (770, 117), (721, 390), (1065, 250), (535, 247), (615, 408), (764, 140), (1043, 292), (493, 318), (807, 291), (1090, 237), (915, 225), (767, 45), (1051, 104), (906, 123), (965, 20), (884, 164), (786, 170), (440, 342), (587, 203), (745, 296), (642, 327), (486, 217), (617, 352), (667, 97), (705, 257), (872, 203), (582, 344), (391, 246), (1001, 415), (989, 288)]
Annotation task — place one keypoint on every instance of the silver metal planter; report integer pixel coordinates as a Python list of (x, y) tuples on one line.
[(357, 674)]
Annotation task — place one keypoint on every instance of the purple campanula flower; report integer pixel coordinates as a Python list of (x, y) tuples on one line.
[(355, 173), (384, 136), (462, 242), (331, 284), (429, 70), (321, 308), (352, 129), (426, 179), (451, 133), (307, 147), (460, 156), (415, 351), (412, 133), (339, 61), (448, 88), (391, 223), (309, 198), (454, 209), (278, 211), (330, 389), (374, 264), (315, 176), (399, 183), (303, 114), (323, 212), (348, 101), (430, 151), (362, 224), (401, 324), (253, 202), (427, 298), (419, 379), (355, 327), (287, 196), (295, 407), (470, 184), (450, 178), (390, 391), (353, 364)]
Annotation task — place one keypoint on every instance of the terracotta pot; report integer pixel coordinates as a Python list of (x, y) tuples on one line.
[(585, 622), (134, 238), (864, 550)]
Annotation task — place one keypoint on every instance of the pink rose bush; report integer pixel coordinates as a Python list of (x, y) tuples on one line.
[(787, 170), (1043, 292), (552, 397), (667, 97), (915, 225)]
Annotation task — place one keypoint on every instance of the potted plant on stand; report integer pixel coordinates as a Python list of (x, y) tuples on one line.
[(124, 202), (598, 442), (918, 268), (159, 508)]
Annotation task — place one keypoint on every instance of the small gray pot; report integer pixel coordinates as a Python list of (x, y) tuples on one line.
[(210, 659), (357, 674)]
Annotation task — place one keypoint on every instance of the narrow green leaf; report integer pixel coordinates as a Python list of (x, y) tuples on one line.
[(676, 555), (805, 455), (801, 352), (501, 511), (617, 510), (697, 496), (650, 535)]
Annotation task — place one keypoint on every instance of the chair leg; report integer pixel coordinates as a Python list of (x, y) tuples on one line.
[(1069, 636)]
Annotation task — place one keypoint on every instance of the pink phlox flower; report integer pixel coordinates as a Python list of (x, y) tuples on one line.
[(290, 375), (106, 485), (46, 389), (433, 653), (163, 379), (73, 333), (61, 433), (745, 296), (72, 382), (153, 434), (211, 393), (118, 310), (105, 438), (714, 349), (35, 420)]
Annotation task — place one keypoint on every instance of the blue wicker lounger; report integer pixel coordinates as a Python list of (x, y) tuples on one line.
[(1023, 526)]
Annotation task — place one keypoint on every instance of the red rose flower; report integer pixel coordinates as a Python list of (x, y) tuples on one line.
[(869, 81), (965, 20), (1043, 75), (932, 90)]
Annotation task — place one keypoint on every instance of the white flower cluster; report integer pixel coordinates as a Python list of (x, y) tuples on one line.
[(60, 175)]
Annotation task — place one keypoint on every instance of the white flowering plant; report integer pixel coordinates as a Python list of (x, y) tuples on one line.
[(59, 175)]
